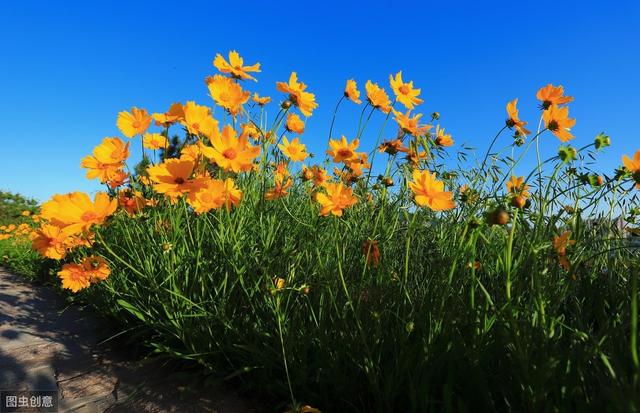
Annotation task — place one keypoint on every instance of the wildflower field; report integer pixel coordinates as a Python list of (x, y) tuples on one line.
[(363, 279)]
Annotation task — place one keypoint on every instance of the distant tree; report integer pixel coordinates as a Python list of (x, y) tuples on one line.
[(12, 206)]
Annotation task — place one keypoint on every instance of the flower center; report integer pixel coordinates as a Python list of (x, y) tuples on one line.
[(230, 153), (553, 126), (136, 124), (195, 126), (404, 89), (179, 181), (345, 153)]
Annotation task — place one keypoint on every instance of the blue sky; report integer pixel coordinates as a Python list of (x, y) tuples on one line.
[(69, 68)]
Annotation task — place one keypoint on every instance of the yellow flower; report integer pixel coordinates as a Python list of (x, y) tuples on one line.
[(410, 124), (342, 150), (76, 212), (294, 124), (351, 91), (293, 150), (337, 198), (235, 66), (230, 152), (517, 186), (191, 152), (318, 175), (135, 123), (173, 177), (282, 184), (558, 122), (377, 97), (51, 241), (442, 139), (405, 93), (76, 277), (633, 166), (173, 115), (305, 101), (209, 196), (514, 119), (430, 192), (261, 100), (227, 93), (198, 120), (358, 163), (154, 141), (107, 158)]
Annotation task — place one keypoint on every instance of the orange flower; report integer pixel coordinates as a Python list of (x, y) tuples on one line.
[(117, 179), (337, 198), (76, 277), (173, 115), (410, 124), (342, 150), (442, 139), (552, 95), (377, 97), (294, 124), (131, 201), (76, 213), (135, 123), (315, 173), (514, 119), (282, 184), (235, 67), (558, 122), (51, 241), (392, 147), (198, 120), (230, 152), (358, 163), (560, 243), (305, 101), (517, 186), (414, 156), (154, 141), (231, 195), (228, 94), (173, 177), (191, 152), (209, 196), (261, 100), (107, 158), (293, 150), (371, 251), (633, 166), (430, 192), (405, 93), (351, 91)]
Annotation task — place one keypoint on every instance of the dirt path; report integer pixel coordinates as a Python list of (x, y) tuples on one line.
[(45, 346)]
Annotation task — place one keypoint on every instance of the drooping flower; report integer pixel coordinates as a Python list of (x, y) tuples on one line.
[(342, 150), (282, 183), (517, 186), (173, 115), (235, 66), (76, 212), (404, 91), (230, 152), (560, 244), (371, 251), (552, 95), (294, 124), (231, 194), (154, 141), (198, 120), (131, 201), (117, 179), (557, 120), (305, 101), (442, 139), (514, 120), (411, 125), (337, 198), (377, 97), (133, 123), (429, 192), (358, 163), (173, 177), (293, 150), (393, 146), (351, 91), (227, 93), (318, 175), (261, 100)]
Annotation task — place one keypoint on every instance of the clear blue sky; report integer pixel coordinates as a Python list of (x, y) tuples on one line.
[(69, 67)]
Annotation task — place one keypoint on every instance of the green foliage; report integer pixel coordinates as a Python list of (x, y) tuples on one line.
[(12, 205)]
